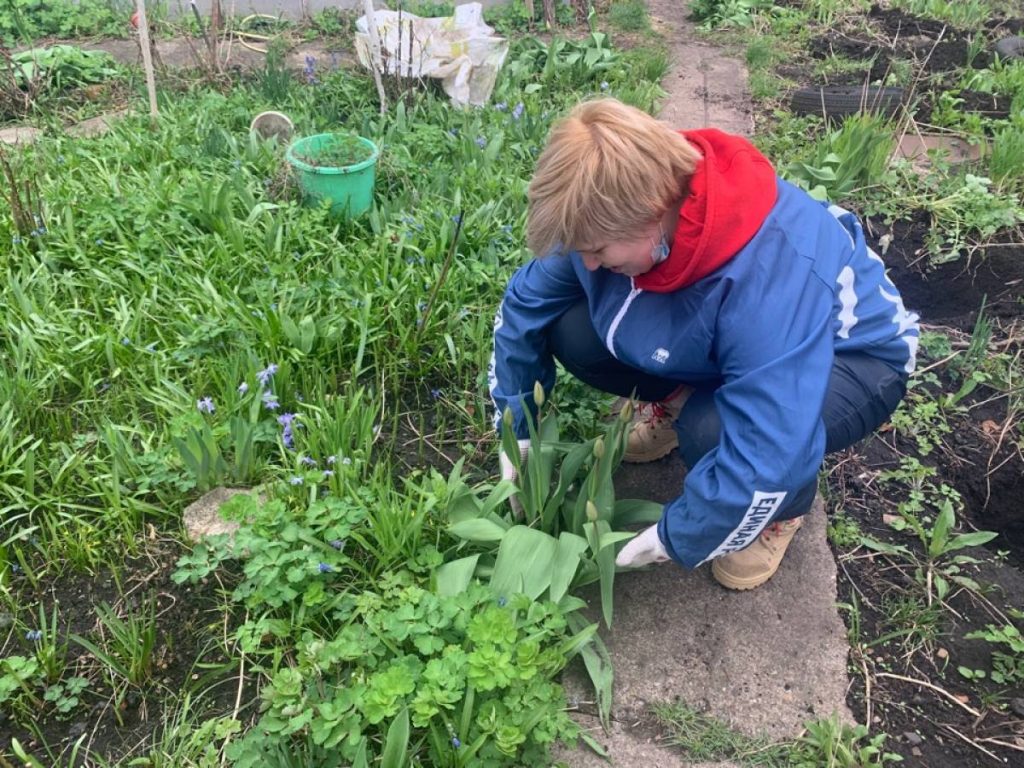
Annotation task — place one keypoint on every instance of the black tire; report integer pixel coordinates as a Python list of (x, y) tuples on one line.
[(1011, 47), (836, 101)]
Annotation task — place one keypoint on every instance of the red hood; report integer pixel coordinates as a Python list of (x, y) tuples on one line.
[(731, 192)]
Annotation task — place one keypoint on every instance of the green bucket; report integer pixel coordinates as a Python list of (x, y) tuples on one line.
[(349, 188)]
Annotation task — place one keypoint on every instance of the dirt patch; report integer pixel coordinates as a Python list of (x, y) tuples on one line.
[(185, 657), (911, 652), (950, 293)]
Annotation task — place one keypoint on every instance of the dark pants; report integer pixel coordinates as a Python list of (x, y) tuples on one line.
[(862, 392)]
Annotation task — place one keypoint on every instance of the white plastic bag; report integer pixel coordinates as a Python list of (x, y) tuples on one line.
[(461, 50)]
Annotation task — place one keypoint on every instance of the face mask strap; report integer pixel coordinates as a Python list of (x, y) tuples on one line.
[(660, 250)]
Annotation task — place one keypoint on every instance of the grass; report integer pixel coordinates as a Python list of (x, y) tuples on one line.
[(629, 16), (702, 737)]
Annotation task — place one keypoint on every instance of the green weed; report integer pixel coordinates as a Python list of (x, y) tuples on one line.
[(628, 15), (705, 738)]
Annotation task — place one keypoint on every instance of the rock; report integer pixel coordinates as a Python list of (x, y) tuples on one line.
[(1017, 705), (913, 738), (202, 516), (96, 126), (19, 134)]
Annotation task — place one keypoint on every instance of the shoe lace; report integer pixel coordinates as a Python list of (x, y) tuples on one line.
[(652, 412)]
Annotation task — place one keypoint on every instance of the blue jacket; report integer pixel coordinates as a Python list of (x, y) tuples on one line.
[(767, 324)]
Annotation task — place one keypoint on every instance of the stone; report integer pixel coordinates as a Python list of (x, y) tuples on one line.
[(96, 126), (19, 134), (1017, 705), (915, 147), (202, 516), (914, 739)]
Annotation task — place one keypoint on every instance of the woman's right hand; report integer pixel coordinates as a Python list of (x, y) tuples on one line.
[(508, 472)]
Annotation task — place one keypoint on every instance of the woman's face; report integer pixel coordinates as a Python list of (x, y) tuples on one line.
[(630, 257)]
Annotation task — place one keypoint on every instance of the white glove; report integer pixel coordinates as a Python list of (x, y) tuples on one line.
[(508, 472), (645, 548)]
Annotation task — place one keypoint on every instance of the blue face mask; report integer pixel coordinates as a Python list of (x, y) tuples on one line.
[(659, 251)]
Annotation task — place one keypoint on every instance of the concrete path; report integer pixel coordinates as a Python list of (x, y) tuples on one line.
[(763, 661)]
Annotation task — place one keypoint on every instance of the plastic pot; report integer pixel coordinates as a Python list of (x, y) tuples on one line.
[(348, 188)]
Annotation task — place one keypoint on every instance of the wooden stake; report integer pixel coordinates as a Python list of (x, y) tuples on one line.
[(375, 57), (147, 56)]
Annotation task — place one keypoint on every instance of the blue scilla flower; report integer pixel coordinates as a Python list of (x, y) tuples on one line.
[(325, 568), (243, 388), (308, 461), (295, 480), (481, 142), (517, 111), (266, 374), (455, 742), (270, 402), (15, 240), (502, 602), (328, 473), (436, 393), (338, 544), (205, 405), (34, 635), (346, 461), (604, 85), (501, 106)]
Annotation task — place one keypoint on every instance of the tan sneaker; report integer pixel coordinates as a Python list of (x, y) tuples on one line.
[(753, 566), (651, 435)]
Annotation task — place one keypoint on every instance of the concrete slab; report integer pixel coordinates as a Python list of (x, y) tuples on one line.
[(704, 87), (762, 661)]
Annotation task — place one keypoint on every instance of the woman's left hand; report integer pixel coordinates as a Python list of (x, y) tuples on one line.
[(645, 548)]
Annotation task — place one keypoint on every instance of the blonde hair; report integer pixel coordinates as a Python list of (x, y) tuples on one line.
[(608, 168)]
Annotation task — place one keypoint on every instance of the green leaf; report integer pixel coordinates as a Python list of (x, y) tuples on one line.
[(629, 512), (524, 563), (975, 539), (478, 529), (940, 532), (599, 668), (397, 741), (453, 577), (885, 549), (567, 561), (606, 568), (360, 759)]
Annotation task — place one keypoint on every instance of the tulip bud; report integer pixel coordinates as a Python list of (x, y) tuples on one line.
[(599, 448), (627, 412), (591, 512), (538, 394), (506, 417)]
